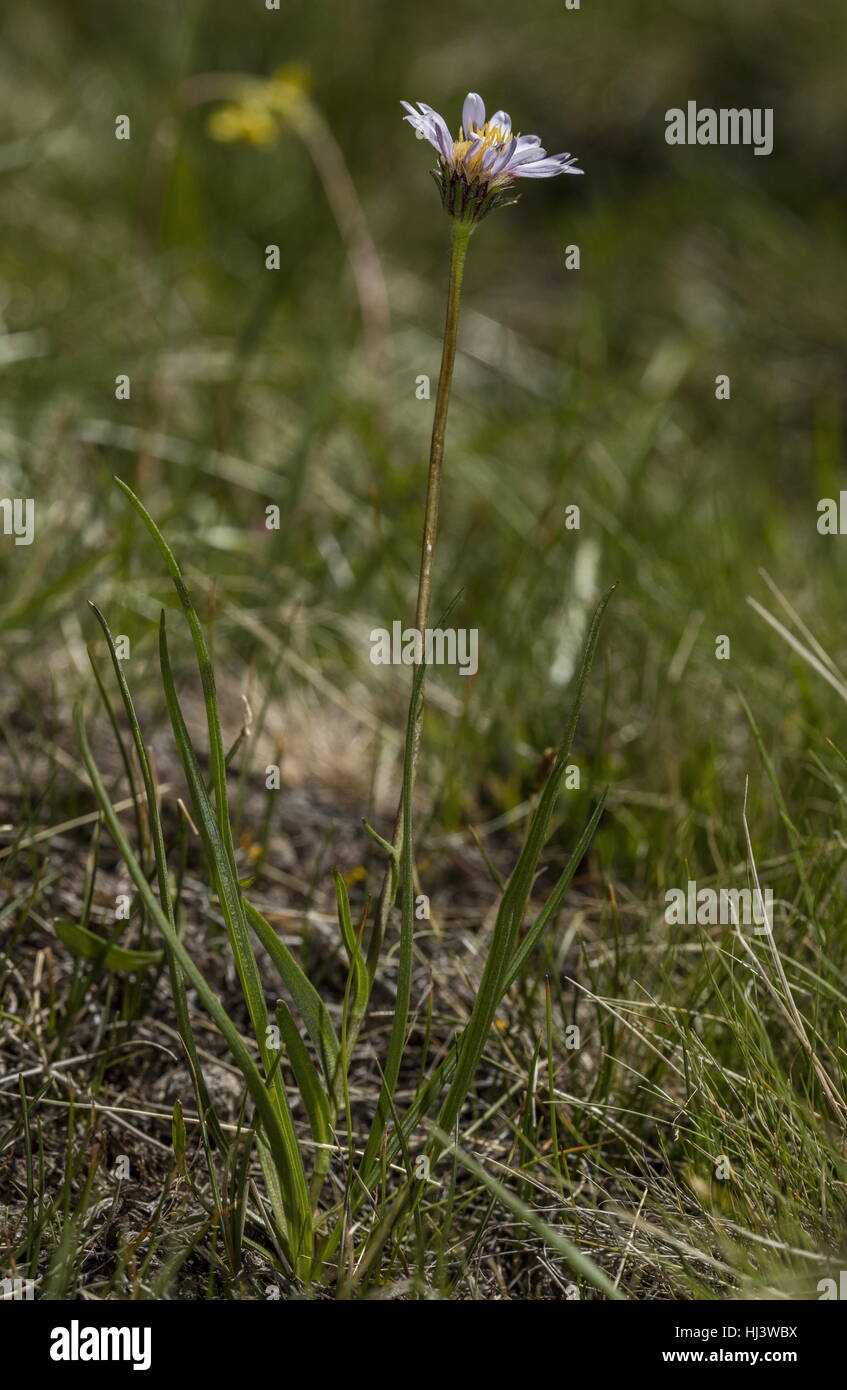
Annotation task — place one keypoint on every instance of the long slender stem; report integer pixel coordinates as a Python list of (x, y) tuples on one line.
[(458, 251)]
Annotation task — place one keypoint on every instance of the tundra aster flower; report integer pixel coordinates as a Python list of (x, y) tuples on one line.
[(476, 171)]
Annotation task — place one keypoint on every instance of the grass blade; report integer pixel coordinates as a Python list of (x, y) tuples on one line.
[(255, 1082), (497, 972), (581, 1264), (292, 1176), (204, 1103)]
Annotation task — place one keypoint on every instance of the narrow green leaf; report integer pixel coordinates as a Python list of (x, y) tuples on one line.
[(315, 1098), (361, 982), (312, 1010), (217, 757), (557, 896), (89, 946), (205, 1107), (225, 881), (267, 1111)]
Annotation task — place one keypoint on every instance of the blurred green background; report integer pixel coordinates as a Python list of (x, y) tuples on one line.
[(252, 387)]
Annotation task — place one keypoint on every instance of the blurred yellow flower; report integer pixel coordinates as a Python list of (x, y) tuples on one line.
[(248, 121), (288, 87), (255, 117)]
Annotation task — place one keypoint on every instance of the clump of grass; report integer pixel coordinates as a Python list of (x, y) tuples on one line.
[(312, 1237)]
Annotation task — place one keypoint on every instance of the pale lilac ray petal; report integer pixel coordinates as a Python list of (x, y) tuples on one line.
[(504, 157), (526, 156), (544, 169), (503, 120), (568, 162), (473, 113), (443, 140), (430, 132)]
